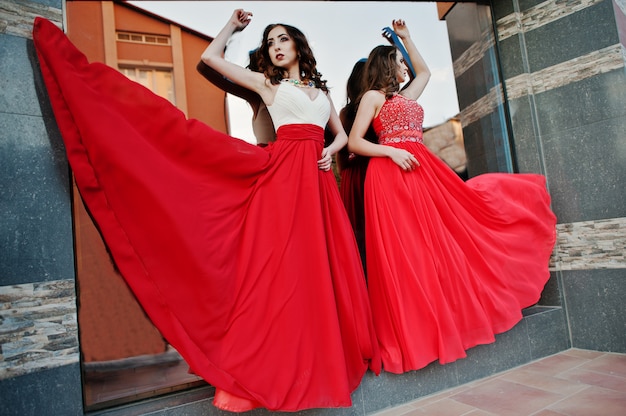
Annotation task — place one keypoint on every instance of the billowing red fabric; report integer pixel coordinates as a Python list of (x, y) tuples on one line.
[(449, 263), (243, 257)]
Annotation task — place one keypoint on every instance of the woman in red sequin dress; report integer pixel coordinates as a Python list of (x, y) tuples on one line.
[(449, 263), (184, 208)]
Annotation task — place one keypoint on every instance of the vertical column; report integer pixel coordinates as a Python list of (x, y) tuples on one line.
[(39, 369), (564, 77)]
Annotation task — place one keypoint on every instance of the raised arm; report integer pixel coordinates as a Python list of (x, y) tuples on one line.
[(225, 84), (213, 56), (422, 73)]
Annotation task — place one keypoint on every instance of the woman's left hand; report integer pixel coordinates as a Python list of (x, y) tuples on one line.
[(326, 161), (400, 28)]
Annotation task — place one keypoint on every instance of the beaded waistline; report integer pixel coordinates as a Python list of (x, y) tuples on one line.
[(397, 139)]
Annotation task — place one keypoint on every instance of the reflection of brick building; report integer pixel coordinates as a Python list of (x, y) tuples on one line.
[(446, 141), (150, 49), (162, 56)]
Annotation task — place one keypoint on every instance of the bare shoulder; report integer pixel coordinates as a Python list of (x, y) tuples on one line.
[(373, 96), (373, 99)]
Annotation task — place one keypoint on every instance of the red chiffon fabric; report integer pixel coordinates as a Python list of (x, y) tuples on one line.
[(184, 209), (449, 263)]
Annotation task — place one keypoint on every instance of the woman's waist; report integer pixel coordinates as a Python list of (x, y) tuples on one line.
[(403, 138), (300, 132)]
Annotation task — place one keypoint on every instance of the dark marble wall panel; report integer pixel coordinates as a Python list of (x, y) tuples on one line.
[(583, 103), (475, 149), (527, 4), (486, 145), (547, 333), (35, 228), (551, 294), (583, 143), (55, 392), (36, 242), (387, 390), (472, 84), (577, 34), (594, 328), (502, 8), (501, 158), (18, 94), (525, 132), (479, 79), (465, 35), (510, 57), (511, 349), (485, 130)]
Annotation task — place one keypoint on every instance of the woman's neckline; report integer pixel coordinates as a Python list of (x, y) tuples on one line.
[(299, 83)]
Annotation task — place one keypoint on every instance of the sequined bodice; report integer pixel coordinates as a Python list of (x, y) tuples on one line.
[(399, 120)]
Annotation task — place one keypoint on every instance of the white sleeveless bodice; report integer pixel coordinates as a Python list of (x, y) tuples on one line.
[(292, 105)]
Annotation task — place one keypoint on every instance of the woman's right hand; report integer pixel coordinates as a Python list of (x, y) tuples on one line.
[(240, 19), (403, 158)]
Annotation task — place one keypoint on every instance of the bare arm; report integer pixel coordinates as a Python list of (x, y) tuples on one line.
[(369, 106), (226, 85), (212, 56), (341, 138), (422, 73)]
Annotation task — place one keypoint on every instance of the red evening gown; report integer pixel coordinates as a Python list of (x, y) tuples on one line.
[(184, 208), (449, 263)]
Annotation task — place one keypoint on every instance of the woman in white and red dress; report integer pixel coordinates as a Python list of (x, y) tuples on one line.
[(449, 263), (183, 209)]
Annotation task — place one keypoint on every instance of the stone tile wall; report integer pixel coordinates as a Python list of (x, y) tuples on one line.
[(565, 83), (39, 354)]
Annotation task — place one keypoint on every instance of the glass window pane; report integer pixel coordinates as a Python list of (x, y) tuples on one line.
[(164, 85)]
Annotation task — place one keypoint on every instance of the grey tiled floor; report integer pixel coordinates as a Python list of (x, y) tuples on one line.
[(574, 382)]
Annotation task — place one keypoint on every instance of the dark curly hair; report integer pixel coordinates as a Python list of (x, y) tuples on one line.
[(380, 71), (307, 60), (254, 60)]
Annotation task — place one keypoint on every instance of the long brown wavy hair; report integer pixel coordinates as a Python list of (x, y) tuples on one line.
[(354, 89), (380, 71), (308, 64)]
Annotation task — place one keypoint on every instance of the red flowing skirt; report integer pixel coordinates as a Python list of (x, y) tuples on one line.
[(184, 210), (451, 263)]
